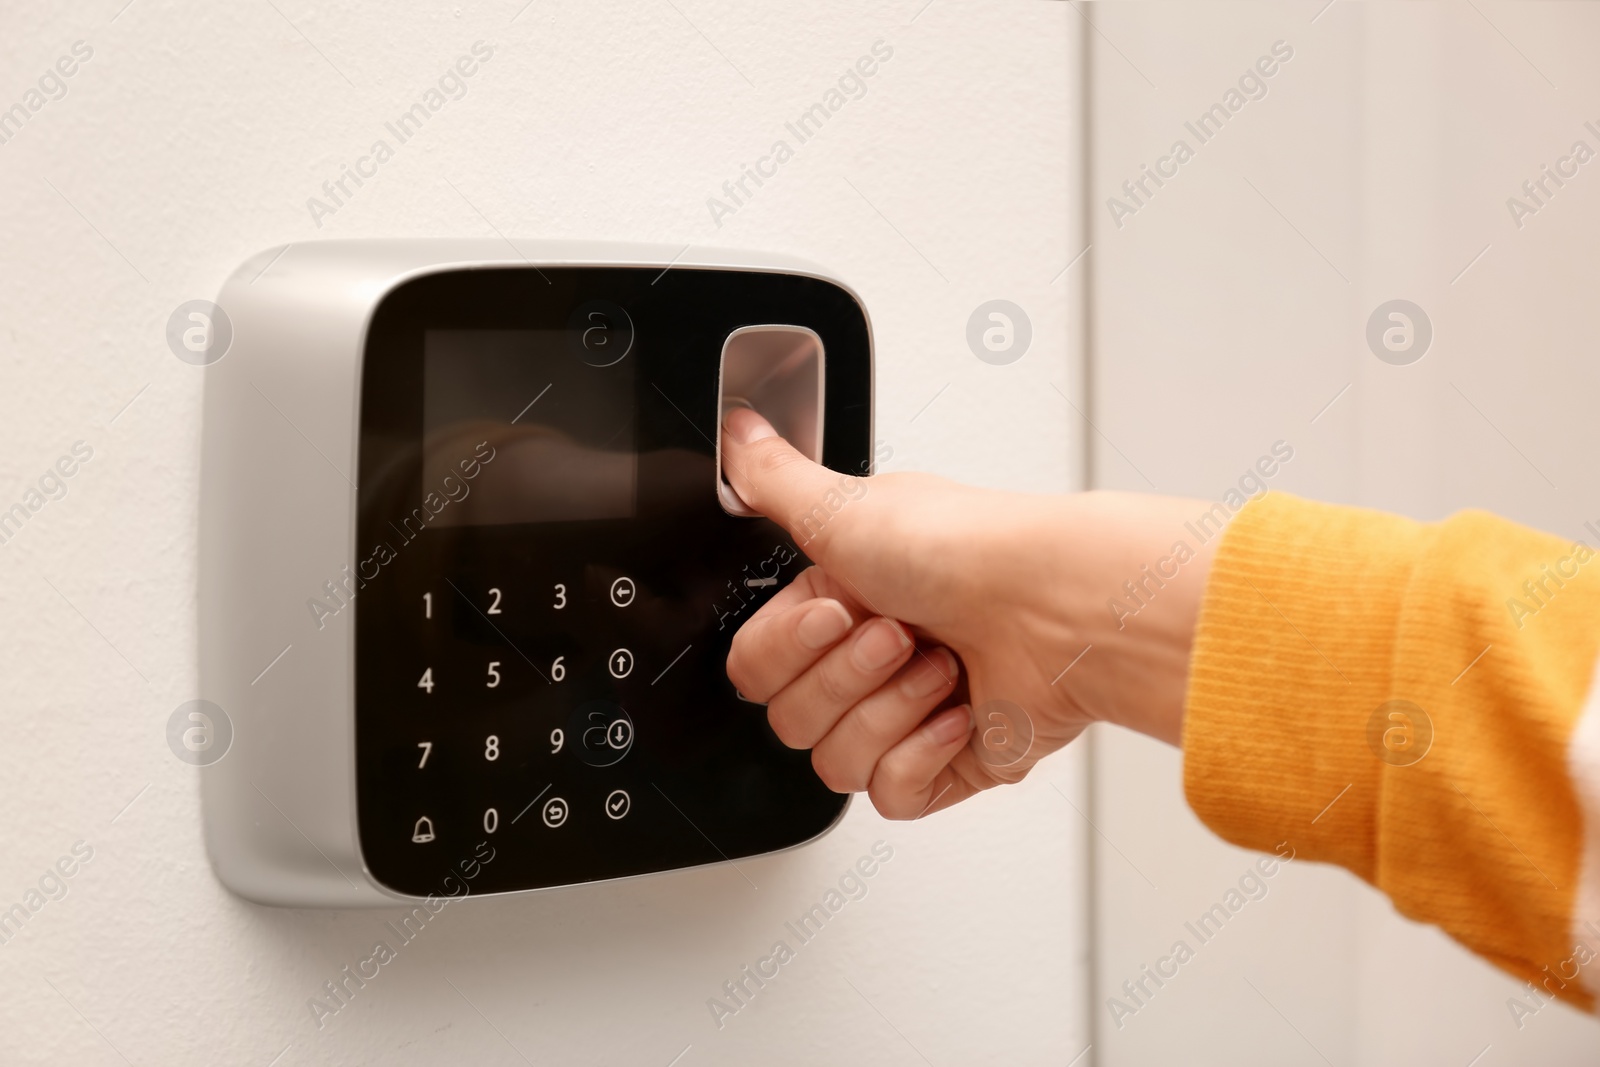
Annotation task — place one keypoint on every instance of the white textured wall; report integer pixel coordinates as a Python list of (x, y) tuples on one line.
[(192, 138), (1229, 313)]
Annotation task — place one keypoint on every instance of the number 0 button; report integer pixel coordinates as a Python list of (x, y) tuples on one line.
[(620, 664)]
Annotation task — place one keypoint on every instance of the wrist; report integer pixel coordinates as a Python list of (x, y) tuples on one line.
[(1133, 569)]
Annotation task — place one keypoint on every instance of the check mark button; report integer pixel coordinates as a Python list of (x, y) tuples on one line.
[(618, 803)]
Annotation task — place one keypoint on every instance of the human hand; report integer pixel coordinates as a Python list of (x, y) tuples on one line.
[(929, 599)]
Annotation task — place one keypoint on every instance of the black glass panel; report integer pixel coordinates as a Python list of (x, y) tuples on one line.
[(548, 585)]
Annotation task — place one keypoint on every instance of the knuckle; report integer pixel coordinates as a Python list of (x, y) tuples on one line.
[(840, 765), (879, 723), (789, 727), (890, 803), (833, 691), (892, 774), (780, 726), (744, 680), (735, 670), (835, 777), (1009, 775)]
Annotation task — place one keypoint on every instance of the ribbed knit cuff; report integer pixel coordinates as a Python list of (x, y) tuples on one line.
[(1292, 656)]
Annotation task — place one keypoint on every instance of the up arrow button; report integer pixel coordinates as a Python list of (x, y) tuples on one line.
[(620, 663)]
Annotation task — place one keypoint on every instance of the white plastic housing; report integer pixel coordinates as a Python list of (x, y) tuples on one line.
[(278, 527)]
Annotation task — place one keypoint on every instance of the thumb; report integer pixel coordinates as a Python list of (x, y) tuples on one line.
[(772, 477)]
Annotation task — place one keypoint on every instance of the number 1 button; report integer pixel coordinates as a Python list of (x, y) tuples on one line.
[(620, 663)]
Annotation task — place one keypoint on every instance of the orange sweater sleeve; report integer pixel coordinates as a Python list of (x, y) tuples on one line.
[(1414, 702)]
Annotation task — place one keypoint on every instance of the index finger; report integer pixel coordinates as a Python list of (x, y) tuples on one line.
[(772, 477)]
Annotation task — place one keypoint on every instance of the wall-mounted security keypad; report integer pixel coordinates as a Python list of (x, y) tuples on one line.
[(549, 583)]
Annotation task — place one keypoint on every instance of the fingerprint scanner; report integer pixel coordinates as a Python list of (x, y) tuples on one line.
[(777, 371)]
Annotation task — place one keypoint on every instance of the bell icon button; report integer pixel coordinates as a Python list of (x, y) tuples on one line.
[(424, 831)]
